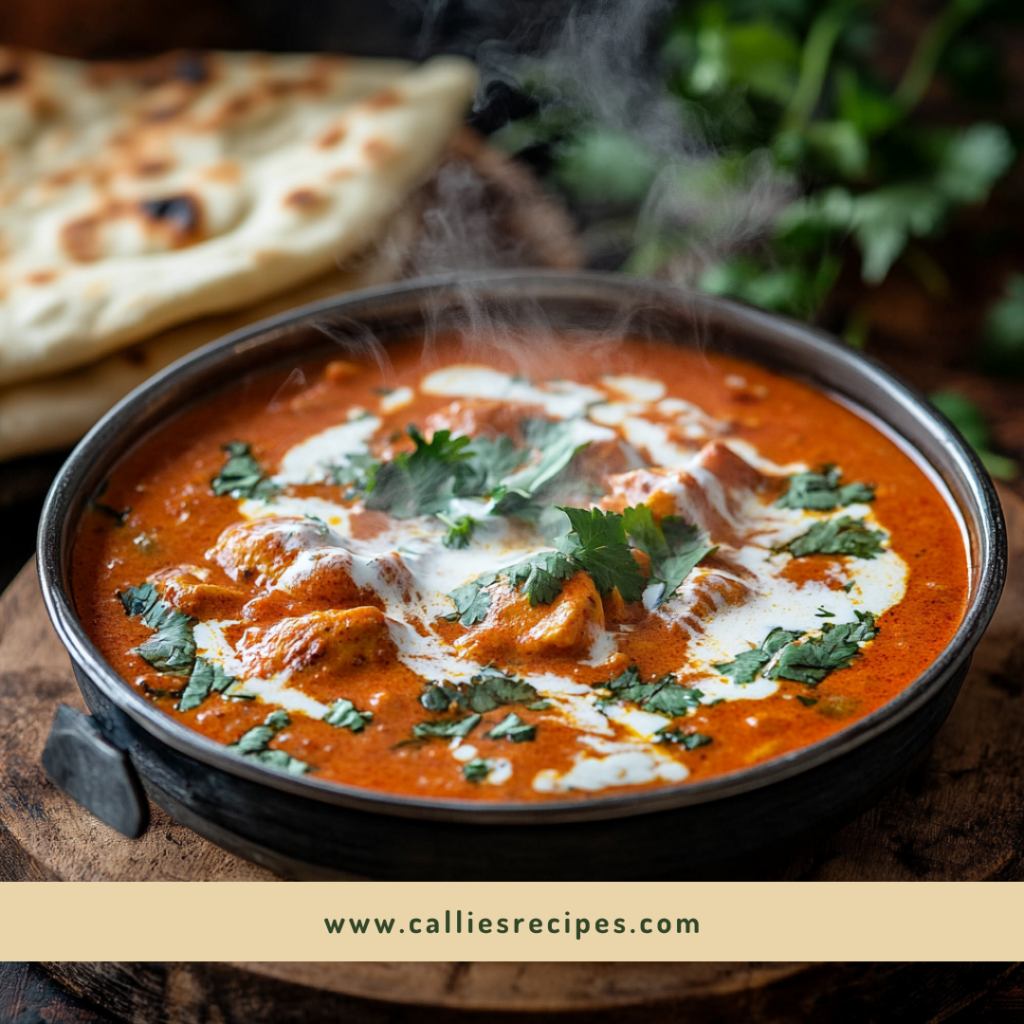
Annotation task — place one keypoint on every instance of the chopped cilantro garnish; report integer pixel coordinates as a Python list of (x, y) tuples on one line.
[(824, 613), (822, 492), (357, 471), (540, 577), (690, 740), (477, 770), (460, 727), (663, 696), (253, 744), (206, 676), (420, 482), (460, 531), (343, 714), (242, 476), (745, 667), (812, 659), (515, 729), (849, 585), (558, 443), (172, 649), (841, 536), (472, 601), (673, 545), (597, 543), (808, 702), (488, 689), (803, 659)]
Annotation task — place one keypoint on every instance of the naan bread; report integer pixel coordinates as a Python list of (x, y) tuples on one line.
[(134, 197), (55, 412)]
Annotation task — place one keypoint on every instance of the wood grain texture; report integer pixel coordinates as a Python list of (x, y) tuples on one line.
[(958, 815), (474, 993)]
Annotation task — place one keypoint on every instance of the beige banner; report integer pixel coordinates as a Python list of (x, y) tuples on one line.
[(512, 921)]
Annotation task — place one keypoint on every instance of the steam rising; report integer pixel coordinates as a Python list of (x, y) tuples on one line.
[(596, 65)]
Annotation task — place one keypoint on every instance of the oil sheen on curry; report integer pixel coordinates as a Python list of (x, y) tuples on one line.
[(614, 569)]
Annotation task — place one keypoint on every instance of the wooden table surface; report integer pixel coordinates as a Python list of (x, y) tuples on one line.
[(28, 995)]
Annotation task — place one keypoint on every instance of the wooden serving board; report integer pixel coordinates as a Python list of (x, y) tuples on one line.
[(958, 815), (489, 993)]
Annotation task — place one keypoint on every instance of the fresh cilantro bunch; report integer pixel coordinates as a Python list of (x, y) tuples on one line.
[(780, 100)]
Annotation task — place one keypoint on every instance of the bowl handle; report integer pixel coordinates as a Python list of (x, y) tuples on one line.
[(83, 763)]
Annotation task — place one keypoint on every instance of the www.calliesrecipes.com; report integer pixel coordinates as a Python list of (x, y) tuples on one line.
[(459, 923)]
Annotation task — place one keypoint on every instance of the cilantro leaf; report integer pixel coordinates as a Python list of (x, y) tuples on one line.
[(674, 546), (821, 492), (487, 690), (492, 688), (241, 476), (460, 531), (689, 740), (598, 544), (477, 770), (172, 648), (515, 729), (489, 462), (460, 727), (282, 761), (745, 667), (472, 600), (206, 676), (343, 714), (540, 577), (841, 536), (811, 660), (253, 744), (665, 695), (356, 471), (420, 482), (558, 442)]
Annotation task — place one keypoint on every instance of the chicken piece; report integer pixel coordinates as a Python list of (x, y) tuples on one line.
[(710, 492), (184, 587), (259, 552), (482, 417), (512, 627), (332, 641)]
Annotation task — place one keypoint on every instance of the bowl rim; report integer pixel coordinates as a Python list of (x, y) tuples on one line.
[(56, 531)]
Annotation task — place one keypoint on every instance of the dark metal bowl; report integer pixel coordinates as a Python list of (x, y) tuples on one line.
[(304, 827)]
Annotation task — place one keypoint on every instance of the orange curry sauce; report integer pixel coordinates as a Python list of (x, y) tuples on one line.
[(165, 481)]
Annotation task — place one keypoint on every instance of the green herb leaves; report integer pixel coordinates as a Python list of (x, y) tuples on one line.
[(420, 482), (515, 729), (343, 714), (803, 658), (689, 740), (488, 689), (206, 676), (814, 658), (746, 666), (460, 728), (663, 696), (674, 546), (597, 543), (822, 492), (172, 650), (841, 536), (241, 476), (254, 745), (478, 769)]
